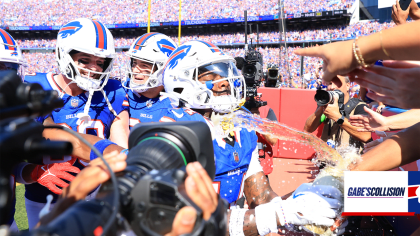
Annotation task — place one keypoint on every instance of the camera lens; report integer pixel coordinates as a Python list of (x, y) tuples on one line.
[(273, 73), (249, 71), (323, 97)]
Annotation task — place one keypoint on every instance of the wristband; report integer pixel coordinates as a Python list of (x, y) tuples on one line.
[(101, 146), (277, 201), (323, 117), (236, 222), (125, 151), (265, 217)]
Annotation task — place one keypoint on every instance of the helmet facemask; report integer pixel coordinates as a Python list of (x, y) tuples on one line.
[(19, 68), (71, 70), (151, 78), (204, 97)]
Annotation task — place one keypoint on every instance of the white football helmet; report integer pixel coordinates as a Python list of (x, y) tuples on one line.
[(88, 36), (182, 70), (153, 48), (11, 55)]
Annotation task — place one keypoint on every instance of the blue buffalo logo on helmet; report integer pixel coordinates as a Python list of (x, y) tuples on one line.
[(14, 54), (69, 29), (166, 46), (177, 55)]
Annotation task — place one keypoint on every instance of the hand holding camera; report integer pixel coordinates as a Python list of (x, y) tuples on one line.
[(332, 103)]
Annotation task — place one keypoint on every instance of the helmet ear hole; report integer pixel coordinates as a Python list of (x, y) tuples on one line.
[(178, 90), (70, 71)]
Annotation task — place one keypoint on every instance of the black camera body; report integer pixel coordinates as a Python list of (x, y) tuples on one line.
[(20, 136), (252, 69), (272, 77), (323, 98)]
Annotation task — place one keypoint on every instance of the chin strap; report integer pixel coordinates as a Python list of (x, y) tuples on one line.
[(84, 117), (109, 104)]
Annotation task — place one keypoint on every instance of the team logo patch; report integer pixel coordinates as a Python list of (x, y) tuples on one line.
[(69, 29), (178, 55), (414, 191), (149, 103), (74, 102), (236, 156), (166, 47), (14, 54)]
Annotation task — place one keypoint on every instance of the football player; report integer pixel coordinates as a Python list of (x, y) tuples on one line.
[(93, 104), (147, 56), (11, 59), (200, 79)]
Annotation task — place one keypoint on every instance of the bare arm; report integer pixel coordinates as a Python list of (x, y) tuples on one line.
[(352, 130), (257, 190), (80, 149), (314, 120), (120, 129), (250, 225), (405, 48), (414, 11), (403, 120), (398, 150)]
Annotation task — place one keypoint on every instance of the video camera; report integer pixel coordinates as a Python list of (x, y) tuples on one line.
[(20, 136), (151, 189), (252, 70), (272, 76)]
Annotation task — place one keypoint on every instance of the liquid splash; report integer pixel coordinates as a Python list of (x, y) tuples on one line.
[(227, 123), (337, 161)]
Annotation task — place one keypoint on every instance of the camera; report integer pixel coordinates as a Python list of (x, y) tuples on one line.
[(151, 189), (251, 67), (20, 136), (272, 76), (323, 98)]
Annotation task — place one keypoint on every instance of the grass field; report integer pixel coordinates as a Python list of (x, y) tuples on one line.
[(20, 214)]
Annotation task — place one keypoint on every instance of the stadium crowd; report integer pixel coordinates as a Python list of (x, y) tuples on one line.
[(336, 33), (33, 13), (45, 62)]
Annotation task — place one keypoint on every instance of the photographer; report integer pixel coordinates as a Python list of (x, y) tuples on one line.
[(337, 126)]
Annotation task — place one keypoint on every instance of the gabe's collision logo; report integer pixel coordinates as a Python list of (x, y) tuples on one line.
[(376, 192)]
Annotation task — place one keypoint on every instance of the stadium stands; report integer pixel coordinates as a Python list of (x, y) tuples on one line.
[(45, 62), (338, 33), (56, 13)]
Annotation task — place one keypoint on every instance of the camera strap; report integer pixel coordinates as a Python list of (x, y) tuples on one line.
[(350, 106)]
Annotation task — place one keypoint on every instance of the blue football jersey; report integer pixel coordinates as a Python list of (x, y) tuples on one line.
[(143, 109), (232, 158), (99, 125)]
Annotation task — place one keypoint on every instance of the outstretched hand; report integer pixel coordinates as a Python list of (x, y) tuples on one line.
[(373, 121), (338, 58), (399, 16), (395, 84)]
